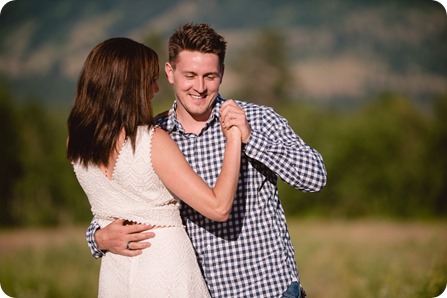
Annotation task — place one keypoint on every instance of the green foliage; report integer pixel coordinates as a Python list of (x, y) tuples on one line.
[(40, 186), (48, 184), (385, 159), (11, 169), (436, 157)]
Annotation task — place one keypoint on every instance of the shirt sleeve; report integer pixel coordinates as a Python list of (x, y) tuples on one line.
[(90, 235), (274, 143)]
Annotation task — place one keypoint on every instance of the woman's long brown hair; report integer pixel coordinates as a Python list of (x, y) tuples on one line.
[(113, 92)]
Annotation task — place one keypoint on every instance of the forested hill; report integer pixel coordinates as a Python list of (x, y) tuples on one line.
[(384, 157), (335, 49)]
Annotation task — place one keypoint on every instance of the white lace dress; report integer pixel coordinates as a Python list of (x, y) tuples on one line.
[(168, 268)]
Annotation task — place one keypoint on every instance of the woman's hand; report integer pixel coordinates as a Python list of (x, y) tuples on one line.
[(231, 116)]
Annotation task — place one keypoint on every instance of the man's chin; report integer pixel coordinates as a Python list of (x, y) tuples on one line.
[(200, 114)]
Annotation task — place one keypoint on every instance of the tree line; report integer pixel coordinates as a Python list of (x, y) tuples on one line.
[(385, 158)]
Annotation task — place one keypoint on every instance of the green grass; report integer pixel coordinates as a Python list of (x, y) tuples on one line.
[(31, 267), (369, 258), (374, 259)]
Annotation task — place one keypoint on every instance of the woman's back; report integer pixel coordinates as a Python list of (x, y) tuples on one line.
[(134, 192), (169, 267)]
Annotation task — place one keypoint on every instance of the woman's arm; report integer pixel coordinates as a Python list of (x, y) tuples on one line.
[(177, 175)]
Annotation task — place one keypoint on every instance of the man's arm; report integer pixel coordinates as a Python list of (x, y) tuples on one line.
[(118, 237), (274, 143)]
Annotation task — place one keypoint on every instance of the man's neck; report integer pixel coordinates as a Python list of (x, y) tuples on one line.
[(192, 124)]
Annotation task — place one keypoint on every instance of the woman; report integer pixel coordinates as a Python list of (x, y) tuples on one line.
[(134, 171)]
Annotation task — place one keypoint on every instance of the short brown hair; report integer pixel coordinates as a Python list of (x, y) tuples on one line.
[(196, 37)]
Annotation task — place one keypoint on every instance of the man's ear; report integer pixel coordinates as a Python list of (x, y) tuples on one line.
[(222, 73), (169, 70)]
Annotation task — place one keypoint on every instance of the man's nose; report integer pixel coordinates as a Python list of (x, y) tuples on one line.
[(200, 85)]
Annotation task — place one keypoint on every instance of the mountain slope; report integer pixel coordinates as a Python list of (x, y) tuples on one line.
[(338, 49)]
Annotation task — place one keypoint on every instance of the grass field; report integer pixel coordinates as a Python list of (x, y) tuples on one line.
[(368, 258)]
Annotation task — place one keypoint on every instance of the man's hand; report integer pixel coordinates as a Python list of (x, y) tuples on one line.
[(122, 238), (233, 115)]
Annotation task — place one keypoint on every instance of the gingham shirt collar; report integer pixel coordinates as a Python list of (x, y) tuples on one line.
[(173, 123)]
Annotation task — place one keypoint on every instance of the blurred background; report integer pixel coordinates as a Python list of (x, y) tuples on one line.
[(364, 82)]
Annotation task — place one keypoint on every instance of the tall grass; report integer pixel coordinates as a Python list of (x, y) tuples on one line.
[(374, 259), (47, 263), (336, 259)]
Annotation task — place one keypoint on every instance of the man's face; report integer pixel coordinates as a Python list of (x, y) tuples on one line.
[(196, 79)]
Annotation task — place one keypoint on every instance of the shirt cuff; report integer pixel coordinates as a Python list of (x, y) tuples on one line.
[(256, 146), (90, 235)]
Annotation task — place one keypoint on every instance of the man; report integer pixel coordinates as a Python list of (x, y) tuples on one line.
[(251, 254)]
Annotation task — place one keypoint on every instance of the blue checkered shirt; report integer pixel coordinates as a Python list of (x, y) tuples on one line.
[(251, 254)]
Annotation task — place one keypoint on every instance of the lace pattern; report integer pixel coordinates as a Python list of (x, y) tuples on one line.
[(135, 192)]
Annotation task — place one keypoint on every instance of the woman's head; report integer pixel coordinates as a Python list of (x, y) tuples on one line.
[(115, 87)]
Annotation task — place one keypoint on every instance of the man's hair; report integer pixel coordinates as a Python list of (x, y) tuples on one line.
[(196, 37), (113, 92)]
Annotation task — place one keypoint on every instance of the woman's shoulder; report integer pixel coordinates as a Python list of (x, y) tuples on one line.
[(160, 137), (158, 132), (149, 130)]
